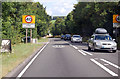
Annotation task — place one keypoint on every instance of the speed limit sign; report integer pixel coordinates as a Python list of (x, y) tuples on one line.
[(118, 19), (28, 21)]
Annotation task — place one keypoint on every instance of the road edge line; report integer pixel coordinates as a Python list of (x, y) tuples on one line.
[(28, 65)]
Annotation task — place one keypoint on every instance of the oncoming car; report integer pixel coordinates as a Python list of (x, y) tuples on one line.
[(101, 41), (76, 38)]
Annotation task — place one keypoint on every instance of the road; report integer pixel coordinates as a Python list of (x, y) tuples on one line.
[(61, 58)]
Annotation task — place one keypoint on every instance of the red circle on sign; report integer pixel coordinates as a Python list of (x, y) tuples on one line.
[(28, 16), (117, 20)]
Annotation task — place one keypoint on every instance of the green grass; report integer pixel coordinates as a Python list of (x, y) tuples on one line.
[(19, 53), (42, 39)]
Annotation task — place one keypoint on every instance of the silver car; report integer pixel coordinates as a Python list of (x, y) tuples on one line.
[(76, 38), (102, 42)]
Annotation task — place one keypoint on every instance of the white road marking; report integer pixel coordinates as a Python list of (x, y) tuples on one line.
[(58, 46), (87, 52), (105, 68), (114, 65), (23, 71), (71, 45), (106, 64), (81, 52), (75, 47)]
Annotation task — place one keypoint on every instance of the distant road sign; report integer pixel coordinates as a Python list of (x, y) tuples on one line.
[(116, 19), (28, 21)]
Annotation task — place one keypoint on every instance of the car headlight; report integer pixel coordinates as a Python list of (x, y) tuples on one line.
[(115, 44), (98, 44)]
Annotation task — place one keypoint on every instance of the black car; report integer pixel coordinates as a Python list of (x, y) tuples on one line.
[(62, 36), (67, 37)]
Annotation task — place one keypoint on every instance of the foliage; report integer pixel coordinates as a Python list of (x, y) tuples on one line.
[(12, 20), (87, 16)]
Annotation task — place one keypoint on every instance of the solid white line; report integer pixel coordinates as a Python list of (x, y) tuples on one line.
[(105, 68), (23, 71), (81, 52), (87, 52), (110, 63)]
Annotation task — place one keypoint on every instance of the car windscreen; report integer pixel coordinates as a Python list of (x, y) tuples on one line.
[(68, 35), (103, 37), (77, 36)]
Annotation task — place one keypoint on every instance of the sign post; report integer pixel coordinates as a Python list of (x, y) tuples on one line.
[(28, 21), (26, 35), (31, 35), (116, 24)]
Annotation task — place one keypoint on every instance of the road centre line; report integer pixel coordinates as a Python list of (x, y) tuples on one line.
[(81, 52), (28, 65), (86, 52), (105, 68), (114, 65)]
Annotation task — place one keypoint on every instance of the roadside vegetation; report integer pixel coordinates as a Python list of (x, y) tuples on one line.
[(19, 53), (12, 29), (12, 20), (86, 17)]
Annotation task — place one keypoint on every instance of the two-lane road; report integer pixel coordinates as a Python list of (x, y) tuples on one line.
[(61, 58)]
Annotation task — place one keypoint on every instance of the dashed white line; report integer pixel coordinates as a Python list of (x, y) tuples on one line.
[(71, 45), (75, 47), (81, 52), (114, 65), (23, 71), (105, 68), (87, 52)]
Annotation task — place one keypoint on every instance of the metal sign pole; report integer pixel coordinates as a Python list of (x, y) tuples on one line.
[(26, 35), (31, 35)]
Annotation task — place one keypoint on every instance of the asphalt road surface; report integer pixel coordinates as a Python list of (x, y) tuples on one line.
[(61, 58)]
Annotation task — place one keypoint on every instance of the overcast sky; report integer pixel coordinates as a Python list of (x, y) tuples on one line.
[(58, 7)]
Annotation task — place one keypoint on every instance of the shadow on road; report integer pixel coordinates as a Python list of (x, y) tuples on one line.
[(97, 51), (62, 44)]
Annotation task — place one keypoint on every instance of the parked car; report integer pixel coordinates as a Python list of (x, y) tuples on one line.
[(62, 36), (76, 38), (101, 40), (24, 39), (67, 37)]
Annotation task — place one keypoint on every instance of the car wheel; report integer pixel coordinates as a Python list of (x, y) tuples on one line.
[(89, 48), (94, 50), (114, 51)]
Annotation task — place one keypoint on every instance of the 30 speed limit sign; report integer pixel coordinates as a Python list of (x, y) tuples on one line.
[(28, 21)]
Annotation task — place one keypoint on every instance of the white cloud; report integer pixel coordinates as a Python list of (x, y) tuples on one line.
[(57, 8), (49, 11), (62, 10)]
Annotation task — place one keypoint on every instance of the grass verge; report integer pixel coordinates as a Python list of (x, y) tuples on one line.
[(19, 53)]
